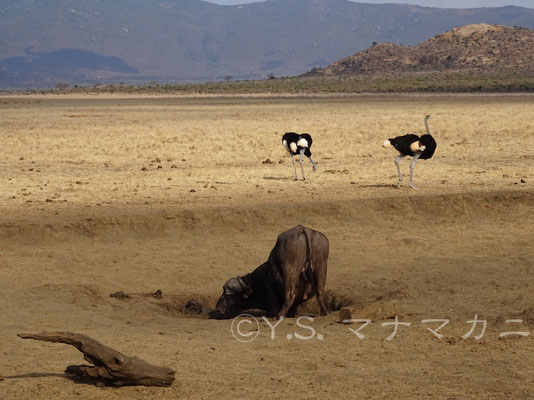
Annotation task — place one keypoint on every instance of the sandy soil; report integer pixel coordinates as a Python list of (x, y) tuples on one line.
[(106, 194)]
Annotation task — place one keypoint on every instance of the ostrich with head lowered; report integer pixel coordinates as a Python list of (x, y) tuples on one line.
[(415, 146), (298, 144)]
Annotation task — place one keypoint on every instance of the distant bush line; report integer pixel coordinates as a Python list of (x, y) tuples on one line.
[(414, 82)]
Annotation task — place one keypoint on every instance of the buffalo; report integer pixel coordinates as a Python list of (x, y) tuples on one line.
[(294, 272)]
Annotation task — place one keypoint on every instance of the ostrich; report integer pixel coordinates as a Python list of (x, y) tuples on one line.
[(296, 143), (412, 145)]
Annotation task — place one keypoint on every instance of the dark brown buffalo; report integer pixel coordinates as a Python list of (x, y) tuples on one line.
[(294, 272)]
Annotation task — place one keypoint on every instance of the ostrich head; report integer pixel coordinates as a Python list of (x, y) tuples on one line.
[(427, 117)]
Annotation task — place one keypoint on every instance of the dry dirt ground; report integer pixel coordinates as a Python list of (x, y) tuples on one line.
[(106, 194)]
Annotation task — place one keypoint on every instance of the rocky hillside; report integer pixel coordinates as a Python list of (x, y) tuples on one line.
[(482, 48)]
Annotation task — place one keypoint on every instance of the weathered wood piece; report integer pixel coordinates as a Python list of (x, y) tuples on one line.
[(109, 365)]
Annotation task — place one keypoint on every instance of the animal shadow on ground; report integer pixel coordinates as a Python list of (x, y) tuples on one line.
[(36, 375), (279, 178), (79, 380), (379, 185), (75, 379)]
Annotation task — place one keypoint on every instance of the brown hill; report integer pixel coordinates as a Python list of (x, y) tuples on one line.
[(478, 48)]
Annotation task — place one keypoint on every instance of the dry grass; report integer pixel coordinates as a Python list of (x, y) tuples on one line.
[(88, 151), (81, 220)]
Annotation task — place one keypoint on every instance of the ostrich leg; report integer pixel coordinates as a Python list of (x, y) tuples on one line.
[(412, 167), (294, 165), (300, 162), (313, 163), (397, 163)]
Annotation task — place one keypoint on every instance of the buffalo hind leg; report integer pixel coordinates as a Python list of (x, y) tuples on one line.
[(288, 302), (292, 311), (320, 300), (273, 305), (273, 310), (319, 283)]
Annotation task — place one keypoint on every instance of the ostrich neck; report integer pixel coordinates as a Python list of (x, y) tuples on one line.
[(427, 128)]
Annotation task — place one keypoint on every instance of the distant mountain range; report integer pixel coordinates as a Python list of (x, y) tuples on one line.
[(479, 48), (82, 42)]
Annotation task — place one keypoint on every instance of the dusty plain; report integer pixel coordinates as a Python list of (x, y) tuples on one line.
[(100, 194)]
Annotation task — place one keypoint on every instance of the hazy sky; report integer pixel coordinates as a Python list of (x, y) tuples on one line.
[(428, 3)]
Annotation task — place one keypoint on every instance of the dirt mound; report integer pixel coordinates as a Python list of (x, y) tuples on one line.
[(167, 304), (159, 224), (81, 296)]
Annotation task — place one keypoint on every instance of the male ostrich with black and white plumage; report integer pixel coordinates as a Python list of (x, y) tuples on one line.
[(298, 143), (415, 146)]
